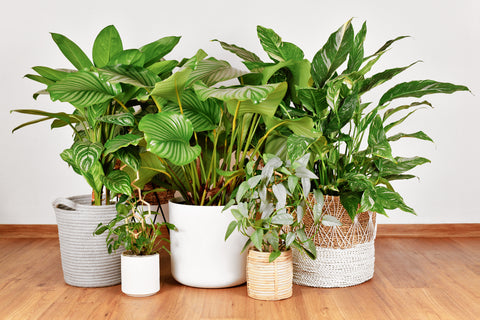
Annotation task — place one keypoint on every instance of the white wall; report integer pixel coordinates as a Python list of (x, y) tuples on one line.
[(445, 35)]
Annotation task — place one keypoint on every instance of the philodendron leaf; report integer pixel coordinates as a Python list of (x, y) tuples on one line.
[(350, 201), (118, 182), (158, 49), (121, 119), (107, 44), (355, 58), (230, 229), (240, 52), (382, 77), (72, 52), (212, 71), (332, 54), (418, 89), (285, 219), (391, 200), (275, 48), (136, 76), (378, 141), (83, 89), (168, 136), (85, 154), (274, 255), (418, 135), (121, 141), (257, 239)]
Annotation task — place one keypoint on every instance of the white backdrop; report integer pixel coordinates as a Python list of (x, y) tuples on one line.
[(445, 35)]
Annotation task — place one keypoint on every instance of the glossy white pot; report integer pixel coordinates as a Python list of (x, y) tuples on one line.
[(140, 275), (200, 255)]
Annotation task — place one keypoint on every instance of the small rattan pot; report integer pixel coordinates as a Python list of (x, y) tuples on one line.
[(269, 280), (345, 254)]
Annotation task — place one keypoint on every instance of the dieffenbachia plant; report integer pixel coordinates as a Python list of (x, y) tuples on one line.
[(271, 204), (103, 92), (350, 140)]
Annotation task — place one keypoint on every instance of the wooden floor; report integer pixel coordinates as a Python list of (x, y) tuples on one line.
[(415, 278)]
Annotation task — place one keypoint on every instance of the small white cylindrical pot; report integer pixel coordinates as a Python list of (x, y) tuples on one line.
[(200, 255), (140, 275)]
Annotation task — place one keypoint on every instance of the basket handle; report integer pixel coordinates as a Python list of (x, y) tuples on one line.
[(64, 202)]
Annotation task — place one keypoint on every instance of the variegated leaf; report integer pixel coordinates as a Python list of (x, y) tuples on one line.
[(212, 71), (136, 76), (121, 119), (256, 94), (118, 182), (240, 52), (85, 154), (121, 141)]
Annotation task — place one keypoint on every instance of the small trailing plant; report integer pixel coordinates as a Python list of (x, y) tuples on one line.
[(271, 204)]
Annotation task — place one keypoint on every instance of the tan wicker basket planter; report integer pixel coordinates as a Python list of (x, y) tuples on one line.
[(345, 254), (269, 280)]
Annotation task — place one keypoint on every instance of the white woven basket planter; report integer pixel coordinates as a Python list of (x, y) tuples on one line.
[(345, 254), (85, 259)]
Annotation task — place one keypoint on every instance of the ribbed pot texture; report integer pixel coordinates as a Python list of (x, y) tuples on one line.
[(85, 259)]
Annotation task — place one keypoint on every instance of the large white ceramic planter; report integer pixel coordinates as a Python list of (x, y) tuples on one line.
[(140, 275), (200, 255), (85, 259)]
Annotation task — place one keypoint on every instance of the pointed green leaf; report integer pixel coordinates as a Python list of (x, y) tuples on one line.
[(257, 239), (417, 135), (72, 52), (391, 200), (107, 44), (52, 74), (355, 58), (158, 49), (212, 71), (418, 89), (122, 141), (240, 52), (136, 76), (168, 136), (274, 255), (390, 112), (118, 182), (350, 201), (377, 139), (133, 57), (230, 229), (275, 48), (332, 54), (387, 44), (83, 89), (161, 67), (40, 79), (382, 77), (85, 154)]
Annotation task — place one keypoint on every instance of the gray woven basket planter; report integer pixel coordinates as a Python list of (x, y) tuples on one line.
[(85, 259)]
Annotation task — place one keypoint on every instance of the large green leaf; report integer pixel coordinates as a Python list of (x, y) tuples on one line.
[(107, 44), (122, 141), (391, 200), (72, 52), (40, 79), (52, 74), (158, 49), (418, 89), (164, 66), (212, 71), (299, 69), (256, 94), (168, 136), (131, 57), (344, 114), (83, 89), (314, 100), (172, 87), (382, 77), (240, 52), (332, 54), (399, 165), (301, 126), (136, 76), (204, 115), (377, 139), (275, 48), (85, 154), (355, 58), (350, 201), (129, 156), (118, 182)]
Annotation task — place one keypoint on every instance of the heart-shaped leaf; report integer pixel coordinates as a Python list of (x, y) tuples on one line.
[(85, 154), (118, 182)]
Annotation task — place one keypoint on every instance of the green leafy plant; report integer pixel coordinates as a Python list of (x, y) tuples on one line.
[(271, 204), (350, 140), (109, 93), (134, 228), (204, 135)]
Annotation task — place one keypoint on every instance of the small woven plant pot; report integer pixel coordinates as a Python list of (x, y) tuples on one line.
[(269, 280), (85, 259), (345, 254)]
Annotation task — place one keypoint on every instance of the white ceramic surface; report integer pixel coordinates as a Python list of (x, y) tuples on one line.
[(140, 275), (200, 255)]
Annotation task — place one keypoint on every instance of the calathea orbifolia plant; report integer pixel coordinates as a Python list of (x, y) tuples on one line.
[(204, 135), (103, 92), (350, 140), (271, 204)]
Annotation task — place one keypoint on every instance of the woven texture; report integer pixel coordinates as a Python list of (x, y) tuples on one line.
[(345, 254), (335, 267), (85, 259), (269, 280)]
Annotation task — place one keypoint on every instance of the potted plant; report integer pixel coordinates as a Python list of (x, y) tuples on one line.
[(271, 204), (350, 141), (107, 94), (136, 231), (203, 137)]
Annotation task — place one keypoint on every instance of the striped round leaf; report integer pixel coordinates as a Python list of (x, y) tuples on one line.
[(118, 182), (130, 157), (121, 119), (204, 115), (136, 76), (212, 71), (122, 141), (85, 154), (168, 136), (83, 89), (256, 94)]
